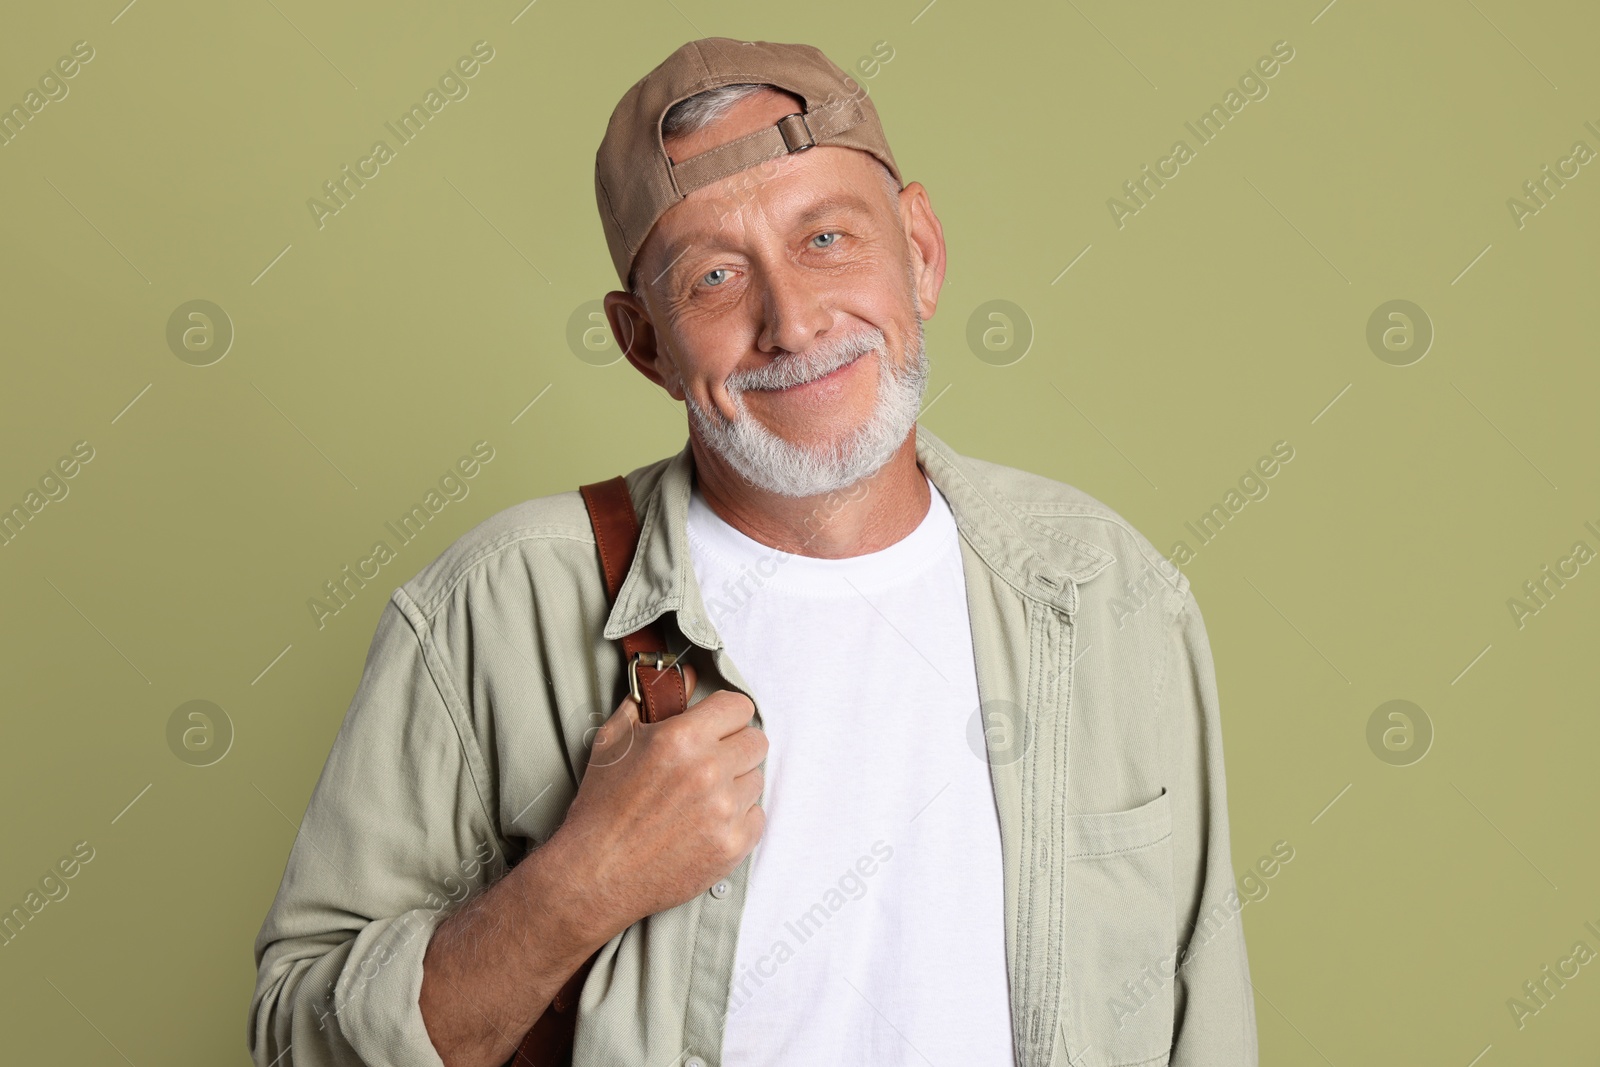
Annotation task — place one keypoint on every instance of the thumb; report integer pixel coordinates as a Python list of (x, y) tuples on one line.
[(614, 738)]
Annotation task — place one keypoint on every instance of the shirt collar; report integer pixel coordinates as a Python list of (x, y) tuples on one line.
[(1040, 563)]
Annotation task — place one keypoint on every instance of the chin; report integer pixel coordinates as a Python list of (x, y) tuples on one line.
[(822, 433)]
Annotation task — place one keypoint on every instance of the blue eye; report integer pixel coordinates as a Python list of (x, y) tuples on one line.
[(709, 273), (834, 234)]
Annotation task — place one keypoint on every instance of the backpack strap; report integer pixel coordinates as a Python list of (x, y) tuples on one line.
[(655, 681), (655, 678)]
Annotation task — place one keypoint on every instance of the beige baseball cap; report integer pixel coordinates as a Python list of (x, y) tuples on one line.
[(635, 182)]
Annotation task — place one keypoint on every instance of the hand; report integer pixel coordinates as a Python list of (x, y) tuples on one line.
[(664, 809)]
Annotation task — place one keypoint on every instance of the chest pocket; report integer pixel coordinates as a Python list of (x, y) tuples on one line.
[(1121, 938)]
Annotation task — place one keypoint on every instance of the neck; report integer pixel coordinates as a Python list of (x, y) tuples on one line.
[(869, 516)]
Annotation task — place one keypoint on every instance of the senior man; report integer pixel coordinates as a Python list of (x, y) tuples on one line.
[(948, 808)]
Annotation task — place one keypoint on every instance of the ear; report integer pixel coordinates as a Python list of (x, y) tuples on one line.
[(630, 325), (926, 237)]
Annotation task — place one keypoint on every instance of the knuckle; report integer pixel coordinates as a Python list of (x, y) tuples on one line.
[(704, 777), (674, 739)]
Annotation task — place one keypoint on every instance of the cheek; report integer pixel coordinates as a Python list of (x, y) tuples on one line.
[(722, 400), (700, 362), (710, 394)]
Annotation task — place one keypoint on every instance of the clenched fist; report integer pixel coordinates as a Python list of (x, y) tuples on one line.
[(664, 809)]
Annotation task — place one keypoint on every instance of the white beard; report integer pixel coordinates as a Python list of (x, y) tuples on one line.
[(791, 470)]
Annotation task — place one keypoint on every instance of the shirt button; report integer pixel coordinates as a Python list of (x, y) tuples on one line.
[(720, 890), (694, 1061)]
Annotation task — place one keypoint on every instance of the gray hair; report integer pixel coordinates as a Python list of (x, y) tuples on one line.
[(702, 109), (695, 113)]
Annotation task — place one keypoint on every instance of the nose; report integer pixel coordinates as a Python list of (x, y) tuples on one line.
[(795, 308)]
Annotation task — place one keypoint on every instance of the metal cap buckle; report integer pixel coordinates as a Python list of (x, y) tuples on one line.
[(796, 132), (657, 660)]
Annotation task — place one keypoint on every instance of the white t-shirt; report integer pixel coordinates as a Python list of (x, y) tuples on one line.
[(874, 927)]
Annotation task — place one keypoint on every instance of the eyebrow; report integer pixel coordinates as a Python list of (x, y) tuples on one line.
[(829, 204), (833, 203)]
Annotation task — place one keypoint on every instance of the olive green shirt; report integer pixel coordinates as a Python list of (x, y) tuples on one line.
[(468, 733)]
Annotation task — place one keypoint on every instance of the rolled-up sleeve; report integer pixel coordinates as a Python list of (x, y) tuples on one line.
[(1214, 1021), (395, 833)]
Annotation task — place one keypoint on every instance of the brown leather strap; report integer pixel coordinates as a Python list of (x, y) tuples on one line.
[(549, 1043), (616, 535)]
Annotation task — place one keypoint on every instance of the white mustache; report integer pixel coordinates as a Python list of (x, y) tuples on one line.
[(796, 370)]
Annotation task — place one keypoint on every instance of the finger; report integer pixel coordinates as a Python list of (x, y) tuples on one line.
[(621, 720), (756, 824), (748, 788), (614, 738), (747, 749), (722, 712)]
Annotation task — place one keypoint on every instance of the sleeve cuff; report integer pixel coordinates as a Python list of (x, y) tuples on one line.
[(379, 988)]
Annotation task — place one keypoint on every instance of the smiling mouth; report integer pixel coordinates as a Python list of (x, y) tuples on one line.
[(822, 378)]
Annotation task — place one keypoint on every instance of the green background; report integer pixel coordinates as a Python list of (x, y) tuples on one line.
[(1229, 313)]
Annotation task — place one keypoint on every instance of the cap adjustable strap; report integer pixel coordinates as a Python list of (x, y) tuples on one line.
[(792, 133), (796, 134)]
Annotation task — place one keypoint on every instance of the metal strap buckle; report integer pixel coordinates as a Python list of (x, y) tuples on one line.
[(658, 660), (796, 132)]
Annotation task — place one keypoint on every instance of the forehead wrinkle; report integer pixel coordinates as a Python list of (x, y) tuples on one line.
[(686, 243)]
